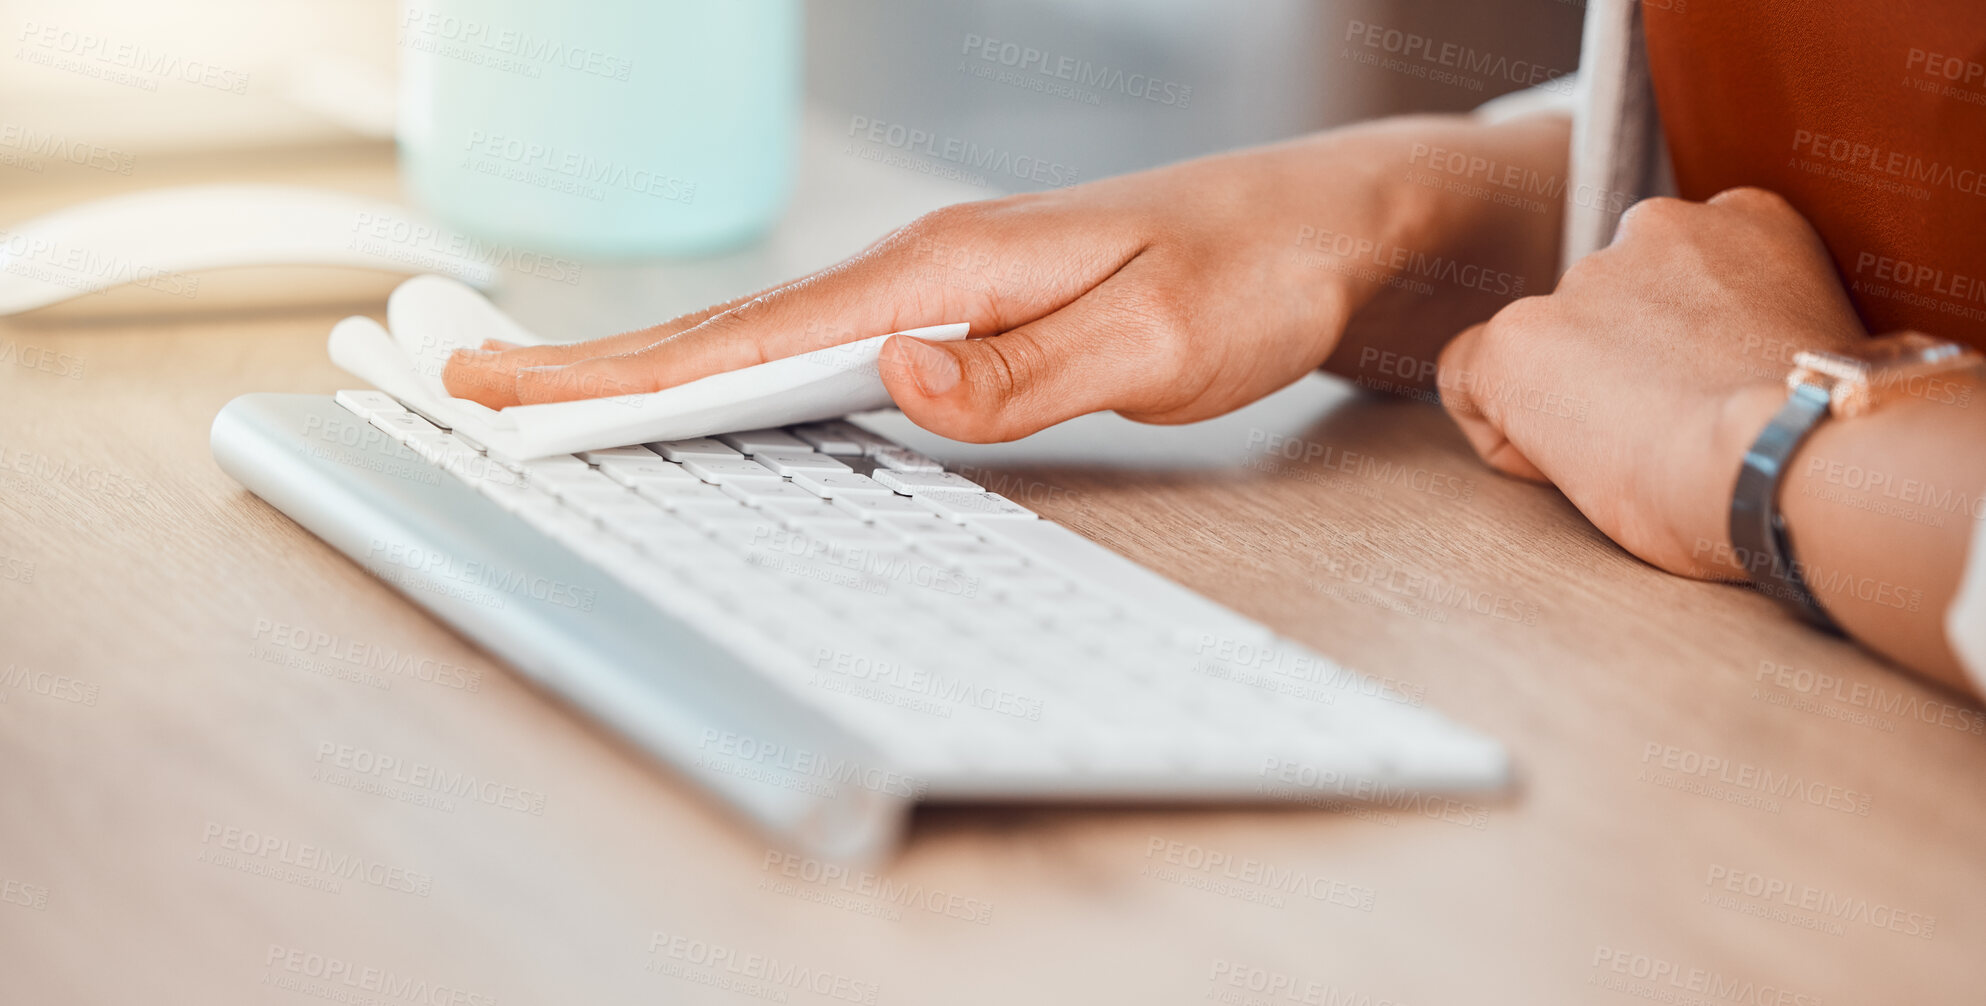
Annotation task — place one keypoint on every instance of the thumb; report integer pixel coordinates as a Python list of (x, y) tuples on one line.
[(1459, 376), (1007, 386)]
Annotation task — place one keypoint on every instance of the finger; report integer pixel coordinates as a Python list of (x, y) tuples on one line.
[(1102, 352), (489, 375), (1459, 377), (888, 288)]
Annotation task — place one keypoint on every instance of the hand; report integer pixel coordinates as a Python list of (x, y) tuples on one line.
[(1638, 384), (1169, 296)]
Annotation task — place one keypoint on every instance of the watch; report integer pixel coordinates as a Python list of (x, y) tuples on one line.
[(1844, 384)]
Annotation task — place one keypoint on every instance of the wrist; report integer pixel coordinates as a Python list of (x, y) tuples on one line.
[(1701, 502)]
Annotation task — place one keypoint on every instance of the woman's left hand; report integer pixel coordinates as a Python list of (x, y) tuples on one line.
[(1638, 384)]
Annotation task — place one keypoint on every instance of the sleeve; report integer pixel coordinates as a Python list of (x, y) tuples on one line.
[(1965, 620)]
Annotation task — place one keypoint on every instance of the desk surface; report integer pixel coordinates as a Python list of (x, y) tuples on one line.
[(163, 834)]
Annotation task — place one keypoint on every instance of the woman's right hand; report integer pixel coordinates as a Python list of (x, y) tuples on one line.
[(1170, 295)]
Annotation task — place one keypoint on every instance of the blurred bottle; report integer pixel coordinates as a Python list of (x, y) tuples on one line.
[(601, 128)]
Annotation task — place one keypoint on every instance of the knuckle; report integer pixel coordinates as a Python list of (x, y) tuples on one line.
[(957, 217), (1751, 197), (1518, 320), (1656, 211)]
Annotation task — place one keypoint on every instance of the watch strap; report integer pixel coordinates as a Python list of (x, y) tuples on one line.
[(1758, 530)]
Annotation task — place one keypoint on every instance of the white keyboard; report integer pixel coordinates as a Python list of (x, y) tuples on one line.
[(980, 652)]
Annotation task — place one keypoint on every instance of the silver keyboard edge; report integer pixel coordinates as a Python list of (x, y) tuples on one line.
[(263, 442)]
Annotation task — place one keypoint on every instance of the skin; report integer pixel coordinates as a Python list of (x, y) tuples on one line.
[(1169, 295), (1638, 384), (1187, 291)]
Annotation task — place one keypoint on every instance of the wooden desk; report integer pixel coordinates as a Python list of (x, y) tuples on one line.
[(165, 835)]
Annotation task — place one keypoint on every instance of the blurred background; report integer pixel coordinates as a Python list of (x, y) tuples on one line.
[(105, 96)]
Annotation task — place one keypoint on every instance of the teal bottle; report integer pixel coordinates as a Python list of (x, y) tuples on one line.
[(601, 129)]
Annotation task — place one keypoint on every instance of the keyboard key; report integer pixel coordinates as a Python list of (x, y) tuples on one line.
[(903, 459), (829, 438), (717, 471), (855, 536), (766, 442), (913, 525), (403, 424), (366, 404), (547, 473), (914, 483), (965, 550), (665, 491), (830, 485), (970, 507), (634, 471), (636, 453), (755, 492), (872, 507), (793, 464), (682, 506), (695, 447)]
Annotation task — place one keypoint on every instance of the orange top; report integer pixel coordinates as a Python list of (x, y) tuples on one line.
[(1869, 117)]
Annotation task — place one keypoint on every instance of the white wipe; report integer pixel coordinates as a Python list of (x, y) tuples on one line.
[(432, 316)]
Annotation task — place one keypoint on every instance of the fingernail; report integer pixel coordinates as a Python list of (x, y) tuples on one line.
[(498, 344), (471, 357), (935, 371)]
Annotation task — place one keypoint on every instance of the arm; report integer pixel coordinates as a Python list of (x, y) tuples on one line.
[(1638, 385), (1882, 510), (1169, 295)]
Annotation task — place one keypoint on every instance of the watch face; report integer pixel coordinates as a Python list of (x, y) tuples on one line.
[(1861, 378)]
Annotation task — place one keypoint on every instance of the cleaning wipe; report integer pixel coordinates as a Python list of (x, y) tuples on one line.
[(432, 316)]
